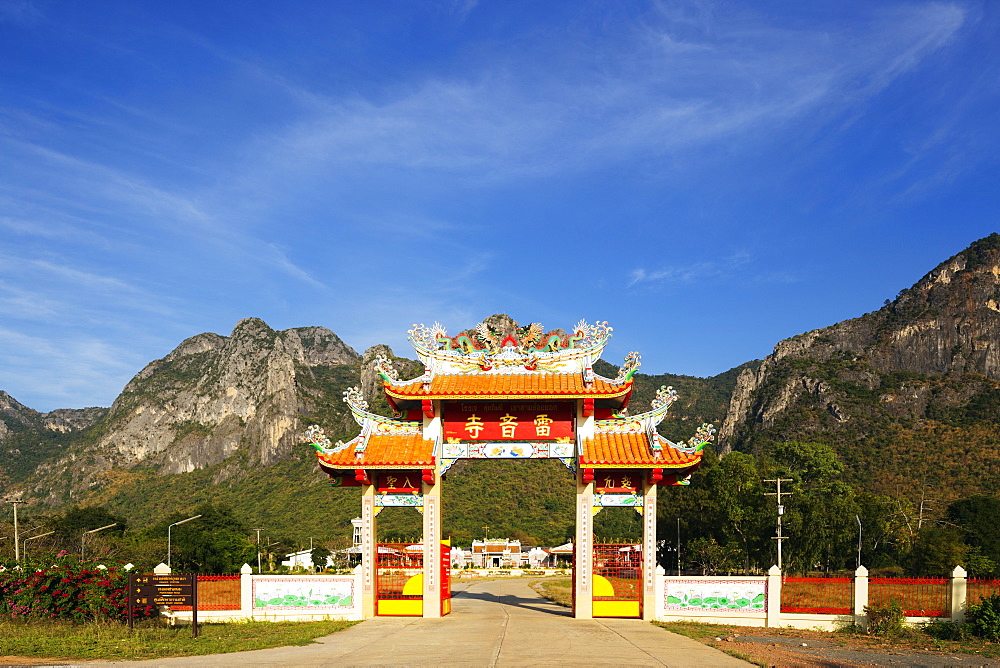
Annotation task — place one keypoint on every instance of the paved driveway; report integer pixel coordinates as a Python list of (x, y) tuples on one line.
[(498, 623)]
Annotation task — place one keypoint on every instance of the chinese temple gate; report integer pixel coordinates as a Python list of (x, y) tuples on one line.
[(509, 394)]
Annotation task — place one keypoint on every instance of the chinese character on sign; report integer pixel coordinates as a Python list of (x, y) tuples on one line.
[(508, 423), (627, 482), (474, 425), (609, 483), (391, 481), (542, 427)]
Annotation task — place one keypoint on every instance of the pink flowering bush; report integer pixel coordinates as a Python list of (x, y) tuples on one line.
[(61, 587)]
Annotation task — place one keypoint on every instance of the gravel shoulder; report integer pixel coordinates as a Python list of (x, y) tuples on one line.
[(795, 647)]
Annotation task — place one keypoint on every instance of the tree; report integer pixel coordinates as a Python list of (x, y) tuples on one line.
[(735, 487), (71, 525), (937, 551), (217, 542), (713, 558), (319, 556), (978, 517), (885, 535), (812, 465), (690, 508)]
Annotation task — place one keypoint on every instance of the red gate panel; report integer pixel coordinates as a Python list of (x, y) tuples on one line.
[(399, 579), (617, 577)]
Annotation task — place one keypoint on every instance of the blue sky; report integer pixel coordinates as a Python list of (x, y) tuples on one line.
[(710, 177)]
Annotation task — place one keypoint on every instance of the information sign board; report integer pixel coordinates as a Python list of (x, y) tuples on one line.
[(164, 589), (169, 589)]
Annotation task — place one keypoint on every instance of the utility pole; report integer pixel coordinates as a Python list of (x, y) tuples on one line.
[(17, 546), (486, 534), (678, 547), (781, 511), (258, 547)]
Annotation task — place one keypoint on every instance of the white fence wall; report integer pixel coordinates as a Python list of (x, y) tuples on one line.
[(298, 598), (756, 601)]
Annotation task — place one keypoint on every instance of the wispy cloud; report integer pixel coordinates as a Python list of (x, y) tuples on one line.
[(463, 7), (651, 89), (168, 183), (697, 271), (78, 366), (22, 12), (53, 291), (283, 263)]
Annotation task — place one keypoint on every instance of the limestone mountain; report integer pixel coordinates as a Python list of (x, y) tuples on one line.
[(211, 397), (220, 419), (908, 395), (28, 437)]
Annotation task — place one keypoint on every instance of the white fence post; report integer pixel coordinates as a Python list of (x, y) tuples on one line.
[(959, 594), (658, 594), (860, 597), (246, 591), (773, 597)]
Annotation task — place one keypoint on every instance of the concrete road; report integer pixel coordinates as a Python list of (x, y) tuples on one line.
[(498, 623)]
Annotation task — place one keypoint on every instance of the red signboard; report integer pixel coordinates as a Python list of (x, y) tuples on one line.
[(398, 482), (617, 481), (509, 420)]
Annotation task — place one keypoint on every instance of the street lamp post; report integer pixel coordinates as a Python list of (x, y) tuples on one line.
[(17, 548), (169, 528), (25, 550), (858, 518), (84, 535), (678, 547)]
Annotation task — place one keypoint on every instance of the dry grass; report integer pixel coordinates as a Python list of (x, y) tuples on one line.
[(151, 639), (557, 590)]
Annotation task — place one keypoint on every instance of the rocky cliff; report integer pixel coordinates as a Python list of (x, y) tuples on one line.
[(928, 360), (212, 397)]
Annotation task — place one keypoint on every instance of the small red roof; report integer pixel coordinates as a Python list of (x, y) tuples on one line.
[(631, 451), (384, 451)]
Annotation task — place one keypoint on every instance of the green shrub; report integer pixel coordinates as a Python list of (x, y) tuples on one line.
[(984, 618), (886, 620), (943, 629)]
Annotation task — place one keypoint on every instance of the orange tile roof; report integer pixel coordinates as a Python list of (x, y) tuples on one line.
[(513, 386), (630, 450), (384, 450)]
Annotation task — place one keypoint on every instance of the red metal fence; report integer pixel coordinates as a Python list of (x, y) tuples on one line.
[(216, 592), (621, 564), (978, 588), (395, 565), (925, 597), (832, 596)]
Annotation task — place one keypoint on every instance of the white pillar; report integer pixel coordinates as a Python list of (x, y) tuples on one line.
[(369, 549), (659, 594), (959, 594), (432, 547), (648, 549), (246, 591), (584, 548), (860, 597), (773, 598)]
